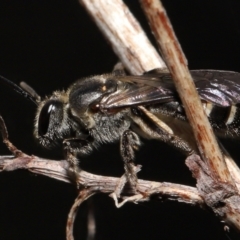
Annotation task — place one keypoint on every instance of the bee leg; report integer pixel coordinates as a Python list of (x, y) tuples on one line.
[(129, 142), (71, 148), (155, 128), (119, 70)]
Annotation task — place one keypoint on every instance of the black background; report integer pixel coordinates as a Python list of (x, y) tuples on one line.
[(49, 44)]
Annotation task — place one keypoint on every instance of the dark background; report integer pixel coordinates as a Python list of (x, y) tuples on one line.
[(49, 44)]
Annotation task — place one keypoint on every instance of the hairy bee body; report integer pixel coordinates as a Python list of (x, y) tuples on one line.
[(79, 117), (99, 109), (115, 107)]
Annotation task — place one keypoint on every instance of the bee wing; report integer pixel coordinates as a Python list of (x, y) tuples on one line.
[(143, 90), (221, 88), (162, 80)]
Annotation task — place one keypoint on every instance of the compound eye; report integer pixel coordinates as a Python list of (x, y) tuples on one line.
[(44, 118)]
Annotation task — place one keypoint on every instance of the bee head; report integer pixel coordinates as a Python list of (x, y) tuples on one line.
[(51, 123)]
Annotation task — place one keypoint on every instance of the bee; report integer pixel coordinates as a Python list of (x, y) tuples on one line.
[(116, 107)]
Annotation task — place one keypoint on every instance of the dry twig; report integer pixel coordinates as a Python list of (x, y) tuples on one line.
[(96, 183), (177, 65), (214, 181), (82, 196), (125, 35)]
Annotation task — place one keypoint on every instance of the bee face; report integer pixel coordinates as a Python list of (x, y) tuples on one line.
[(51, 122)]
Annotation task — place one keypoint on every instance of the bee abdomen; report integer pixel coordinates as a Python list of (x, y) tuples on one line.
[(223, 118)]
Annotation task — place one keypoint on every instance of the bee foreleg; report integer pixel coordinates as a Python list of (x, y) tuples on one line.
[(71, 147)]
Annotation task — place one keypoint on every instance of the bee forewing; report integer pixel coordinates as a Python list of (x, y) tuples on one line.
[(138, 95), (221, 88)]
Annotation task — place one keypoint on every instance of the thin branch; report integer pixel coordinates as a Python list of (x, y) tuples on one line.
[(214, 181), (82, 196), (96, 183), (125, 35), (221, 197), (177, 65)]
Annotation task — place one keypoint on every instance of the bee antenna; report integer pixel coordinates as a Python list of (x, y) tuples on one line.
[(30, 90), (24, 91)]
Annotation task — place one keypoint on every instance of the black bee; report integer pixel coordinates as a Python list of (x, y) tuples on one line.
[(116, 107)]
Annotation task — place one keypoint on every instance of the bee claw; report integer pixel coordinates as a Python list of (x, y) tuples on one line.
[(125, 179), (135, 198)]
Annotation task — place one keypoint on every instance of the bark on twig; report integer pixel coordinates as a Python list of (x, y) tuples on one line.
[(96, 183), (221, 197)]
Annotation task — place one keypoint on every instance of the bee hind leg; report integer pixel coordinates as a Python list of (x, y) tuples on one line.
[(129, 143)]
